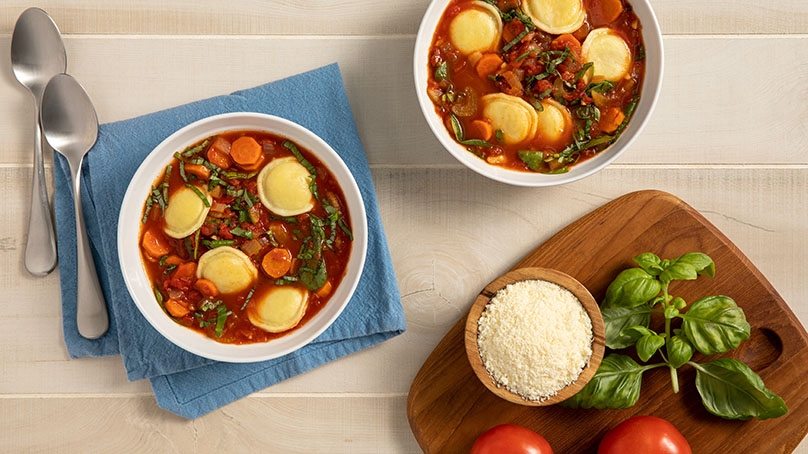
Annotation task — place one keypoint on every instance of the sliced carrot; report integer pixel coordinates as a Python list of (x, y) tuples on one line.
[(206, 287), (611, 119), (569, 41), (323, 291), (173, 260), (245, 151), (185, 270), (198, 170), (277, 262), (480, 129), (612, 9), (155, 244), (176, 308), (489, 63)]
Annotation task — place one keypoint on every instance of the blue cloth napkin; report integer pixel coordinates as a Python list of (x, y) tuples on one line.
[(182, 382)]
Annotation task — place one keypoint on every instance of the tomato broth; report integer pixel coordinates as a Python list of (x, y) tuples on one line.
[(308, 251), (531, 99)]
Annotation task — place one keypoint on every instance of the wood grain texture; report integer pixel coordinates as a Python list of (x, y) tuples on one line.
[(728, 137), (366, 17), (703, 116), (593, 250), (134, 424)]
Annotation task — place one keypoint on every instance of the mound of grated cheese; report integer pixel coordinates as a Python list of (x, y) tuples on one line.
[(534, 338)]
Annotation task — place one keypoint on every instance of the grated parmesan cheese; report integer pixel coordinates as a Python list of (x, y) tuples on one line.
[(534, 338)]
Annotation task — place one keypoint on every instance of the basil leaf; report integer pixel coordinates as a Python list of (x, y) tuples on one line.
[(442, 71), (314, 277), (623, 325), (680, 350), (221, 318), (688, 267), (533, 159), (650, 262), (731, 390), (631, 288), (703, 264), (475, 143), (715, 324), (457, 129), (648, 345), (615, 385)]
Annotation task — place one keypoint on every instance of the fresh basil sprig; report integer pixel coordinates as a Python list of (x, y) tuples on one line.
[(711, 325)]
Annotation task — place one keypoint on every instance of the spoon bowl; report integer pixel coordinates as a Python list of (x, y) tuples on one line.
[(70, 125), (38, 54)]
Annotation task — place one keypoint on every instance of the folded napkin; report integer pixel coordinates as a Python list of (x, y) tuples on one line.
[(184, 383)]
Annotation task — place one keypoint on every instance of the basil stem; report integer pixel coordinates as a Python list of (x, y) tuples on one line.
[(711, 325)]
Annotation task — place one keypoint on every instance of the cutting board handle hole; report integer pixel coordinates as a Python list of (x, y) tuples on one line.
[(761, 350)]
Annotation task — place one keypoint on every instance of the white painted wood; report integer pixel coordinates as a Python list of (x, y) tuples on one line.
[(728, 137), (366, 17), (719, 104), (282, 424)]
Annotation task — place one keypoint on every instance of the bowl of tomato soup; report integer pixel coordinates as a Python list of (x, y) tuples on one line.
[(537, 92), (242, 237)]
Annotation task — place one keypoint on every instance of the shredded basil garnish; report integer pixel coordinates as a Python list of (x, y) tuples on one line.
[(213, 244), (248, 298), (158, 295), (198, 192), (193, 150), (293, 148), (442, 71)]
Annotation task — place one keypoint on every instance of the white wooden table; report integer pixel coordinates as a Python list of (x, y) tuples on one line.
[(729, 137)]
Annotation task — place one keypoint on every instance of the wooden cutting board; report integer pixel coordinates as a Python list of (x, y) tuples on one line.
[(448, 407)]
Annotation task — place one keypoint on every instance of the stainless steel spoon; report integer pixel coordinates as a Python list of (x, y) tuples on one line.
[(37, 54), (70, 125)]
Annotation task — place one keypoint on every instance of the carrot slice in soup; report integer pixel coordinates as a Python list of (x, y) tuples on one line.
[(277, 262), (611, 119), (480, 129), (612, 9), (176, 308), (569, 41), (489, 63), (206, 287), (245, 151), (155, 244)]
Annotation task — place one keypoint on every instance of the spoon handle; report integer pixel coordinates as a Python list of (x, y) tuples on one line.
[(92, 317), (40, 247)]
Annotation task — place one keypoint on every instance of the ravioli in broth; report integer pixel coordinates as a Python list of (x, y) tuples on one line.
[(245, 236), (536, 85)]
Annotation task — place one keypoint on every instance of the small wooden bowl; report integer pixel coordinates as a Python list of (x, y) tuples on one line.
[(524, 274)]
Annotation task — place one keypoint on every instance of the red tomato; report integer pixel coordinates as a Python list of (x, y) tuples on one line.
[(511, 439), (644, 434)]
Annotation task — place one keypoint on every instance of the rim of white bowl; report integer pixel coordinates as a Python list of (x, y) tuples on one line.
[(139, 285), (652, 84)]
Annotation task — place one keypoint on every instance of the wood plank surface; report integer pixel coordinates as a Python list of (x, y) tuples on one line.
[(728, 137), (593, 250), (703, 116), (367, 17)]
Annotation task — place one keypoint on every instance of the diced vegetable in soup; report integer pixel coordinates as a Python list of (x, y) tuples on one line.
[(245, 236), (536, 85)]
